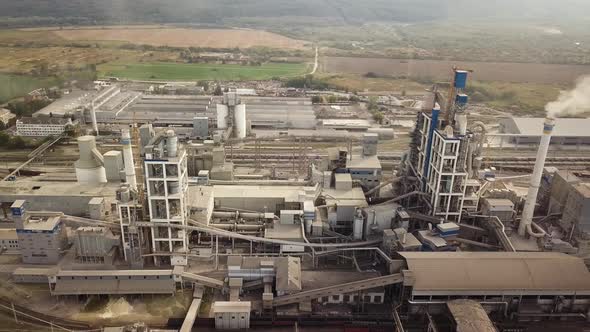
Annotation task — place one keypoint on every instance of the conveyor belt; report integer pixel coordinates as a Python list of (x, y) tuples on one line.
[(202, 280), (350, 287)]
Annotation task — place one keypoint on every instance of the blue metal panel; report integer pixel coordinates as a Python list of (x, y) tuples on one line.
[(461, 99), (433, 125), (460, 79), (17, 211)]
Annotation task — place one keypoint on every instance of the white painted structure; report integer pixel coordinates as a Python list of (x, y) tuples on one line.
[(167, 185), (41, 126), (240, 121), (446, 177), (232, 315), (90, 166), (531, 198), (222, 114), (128, 159)]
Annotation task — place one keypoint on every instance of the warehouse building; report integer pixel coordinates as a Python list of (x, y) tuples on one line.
[(567, 131)]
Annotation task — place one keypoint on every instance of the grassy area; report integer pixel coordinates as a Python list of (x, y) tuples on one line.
[(181, 71), (517, 98), (352, 82), (12, 86)]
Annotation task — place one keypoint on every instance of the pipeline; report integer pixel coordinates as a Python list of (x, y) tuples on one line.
[(398, 198), (219, 232)]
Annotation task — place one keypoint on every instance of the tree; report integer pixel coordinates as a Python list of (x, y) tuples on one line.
[(378, 117), (218, 91), (332, 99), (316, 99), (372, 105), (17, 142)]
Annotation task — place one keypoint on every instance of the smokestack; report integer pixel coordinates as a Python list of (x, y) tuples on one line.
[(128, 159), (531, 198)]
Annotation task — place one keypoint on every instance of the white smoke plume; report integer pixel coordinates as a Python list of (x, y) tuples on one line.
[(571, 102)]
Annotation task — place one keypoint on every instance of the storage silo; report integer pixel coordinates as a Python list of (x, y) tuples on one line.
[(222, 113), (90, 166), (240, 121)]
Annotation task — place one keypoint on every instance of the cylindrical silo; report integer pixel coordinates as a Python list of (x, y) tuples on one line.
[(90, 167), (240, 121), (358, 225), (222, 112), (171, 143)]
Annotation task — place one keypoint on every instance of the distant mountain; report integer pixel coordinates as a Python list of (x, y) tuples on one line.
[(215, 11)]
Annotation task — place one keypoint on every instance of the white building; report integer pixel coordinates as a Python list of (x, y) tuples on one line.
[(41, 126), (167, 186), (443, 170), (6, 116)]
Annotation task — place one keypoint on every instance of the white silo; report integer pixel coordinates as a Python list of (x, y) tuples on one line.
[(240, 121), (171, 143), (222, 113), (90, 166)]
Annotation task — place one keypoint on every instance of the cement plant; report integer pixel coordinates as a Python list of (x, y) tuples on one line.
[(270, 208)]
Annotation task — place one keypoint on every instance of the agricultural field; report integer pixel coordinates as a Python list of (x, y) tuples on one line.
[(191, 72), (182, 37), (13, 86), (441, 69)]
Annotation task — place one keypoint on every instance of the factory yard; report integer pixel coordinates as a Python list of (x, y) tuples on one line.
[(439, 69), (193, 72), (181, 37)]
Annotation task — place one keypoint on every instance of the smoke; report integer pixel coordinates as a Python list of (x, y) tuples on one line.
[(571, 102)]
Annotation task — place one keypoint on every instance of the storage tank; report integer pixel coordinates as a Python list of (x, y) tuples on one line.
[(240, 121), (222, 112), (171, 143), (358, 225), (90, 166), (384, 133)]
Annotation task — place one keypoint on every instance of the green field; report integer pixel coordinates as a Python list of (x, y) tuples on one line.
[(190, 72), (13, 86)]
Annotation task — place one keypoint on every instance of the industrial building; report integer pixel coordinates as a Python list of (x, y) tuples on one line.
[(41, 127), (337, 237), (6, 116), (568, 131)]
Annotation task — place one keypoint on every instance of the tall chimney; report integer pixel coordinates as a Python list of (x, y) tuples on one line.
[(128, 159), (531, 198)]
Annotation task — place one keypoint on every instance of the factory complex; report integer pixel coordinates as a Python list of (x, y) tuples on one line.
[(260, 213)]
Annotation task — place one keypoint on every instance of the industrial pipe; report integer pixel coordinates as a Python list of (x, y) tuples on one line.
[(219, 232), (128, 159), (529, 208)]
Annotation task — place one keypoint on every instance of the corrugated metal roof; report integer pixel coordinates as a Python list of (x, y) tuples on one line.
[(498, 272), (564, 127), (101, 273)]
